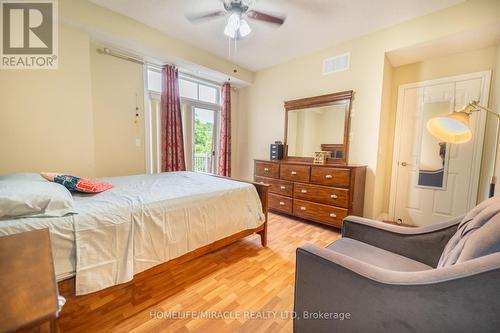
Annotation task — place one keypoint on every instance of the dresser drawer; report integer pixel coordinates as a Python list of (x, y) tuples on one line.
[(280, 203), (299, 173), (330, 176), (322, 194), (277, 186), (319, 212), (267, 169)]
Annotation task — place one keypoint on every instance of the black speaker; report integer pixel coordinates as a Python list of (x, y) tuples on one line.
[(276, 152)]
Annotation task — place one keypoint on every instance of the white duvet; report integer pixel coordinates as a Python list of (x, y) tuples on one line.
[(146, 220)]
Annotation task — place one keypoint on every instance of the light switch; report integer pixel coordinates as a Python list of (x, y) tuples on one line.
[(137, 142)]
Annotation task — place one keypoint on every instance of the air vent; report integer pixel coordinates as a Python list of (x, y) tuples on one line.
[(337, 64)]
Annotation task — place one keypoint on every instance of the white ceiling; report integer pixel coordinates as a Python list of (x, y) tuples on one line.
[(310, 24)]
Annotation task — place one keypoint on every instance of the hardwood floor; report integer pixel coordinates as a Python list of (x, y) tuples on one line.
[(236, 282)]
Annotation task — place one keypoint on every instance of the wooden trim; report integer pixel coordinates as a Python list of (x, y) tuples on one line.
[(318, 101), (67, 287)]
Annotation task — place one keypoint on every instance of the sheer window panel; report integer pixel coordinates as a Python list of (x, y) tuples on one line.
[(208, 94), (154, 81), (188, 89)]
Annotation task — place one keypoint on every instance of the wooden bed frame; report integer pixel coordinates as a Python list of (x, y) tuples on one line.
[(67, 287)]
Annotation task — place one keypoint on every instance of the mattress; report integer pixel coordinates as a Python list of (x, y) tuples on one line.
[(62, 238), (143, 221)]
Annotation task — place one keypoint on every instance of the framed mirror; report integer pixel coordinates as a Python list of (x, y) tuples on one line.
[(316, 124), (433, 155)]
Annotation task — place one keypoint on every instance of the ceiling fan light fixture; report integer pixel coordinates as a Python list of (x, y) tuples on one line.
[(230, 32), (233, 25), (245, 29)]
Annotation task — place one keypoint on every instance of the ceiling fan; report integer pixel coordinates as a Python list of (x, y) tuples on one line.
[(237, 12)]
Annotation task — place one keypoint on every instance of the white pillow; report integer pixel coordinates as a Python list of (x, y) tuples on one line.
[(31, 197)]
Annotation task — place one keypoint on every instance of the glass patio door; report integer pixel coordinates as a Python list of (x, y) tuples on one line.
[(204, 140)]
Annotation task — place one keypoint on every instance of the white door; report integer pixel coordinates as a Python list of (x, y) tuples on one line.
[(434, 181)]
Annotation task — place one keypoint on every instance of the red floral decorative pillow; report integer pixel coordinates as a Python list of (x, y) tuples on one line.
[(77, 184)]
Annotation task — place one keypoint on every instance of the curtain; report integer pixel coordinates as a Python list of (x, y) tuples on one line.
[(172, 157), (225, 132)]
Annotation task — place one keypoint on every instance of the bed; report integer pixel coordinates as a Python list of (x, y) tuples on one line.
[(146, 222)]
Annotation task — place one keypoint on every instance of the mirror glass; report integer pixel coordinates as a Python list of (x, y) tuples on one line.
[(433, 154), (308, 129)]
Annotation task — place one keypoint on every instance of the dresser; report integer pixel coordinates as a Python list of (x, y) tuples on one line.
[(320, 193)]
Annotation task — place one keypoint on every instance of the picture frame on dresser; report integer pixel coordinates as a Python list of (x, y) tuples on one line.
[(323, 193)]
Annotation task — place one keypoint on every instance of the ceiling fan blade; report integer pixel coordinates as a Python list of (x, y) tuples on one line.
[(195, 18), (255, 15)]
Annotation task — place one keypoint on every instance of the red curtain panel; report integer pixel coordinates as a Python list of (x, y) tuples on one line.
[(225, 132), (172, 156)]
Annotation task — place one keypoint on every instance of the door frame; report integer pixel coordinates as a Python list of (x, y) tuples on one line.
[(478, 151)]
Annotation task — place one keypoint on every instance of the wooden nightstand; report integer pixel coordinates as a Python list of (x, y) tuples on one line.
[(28, 288)]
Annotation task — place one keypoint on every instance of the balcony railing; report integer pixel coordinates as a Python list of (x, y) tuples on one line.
[(202, 162)]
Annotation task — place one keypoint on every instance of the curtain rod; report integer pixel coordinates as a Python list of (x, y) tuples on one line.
[(107, 51), (123, 56)]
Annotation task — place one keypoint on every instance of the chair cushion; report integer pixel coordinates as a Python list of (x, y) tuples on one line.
[(477, 235), (376, 256)]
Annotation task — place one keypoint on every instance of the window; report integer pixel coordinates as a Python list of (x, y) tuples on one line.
[(189, 87), (198, 90), (200, 106), (154, 80)]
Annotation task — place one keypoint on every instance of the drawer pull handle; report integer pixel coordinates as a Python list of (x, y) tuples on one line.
[(328, 176), (294, 172), (283, 187), (282, 203), (303, 208), (333, 215), (266, 169), (333, 196), (303, 191)]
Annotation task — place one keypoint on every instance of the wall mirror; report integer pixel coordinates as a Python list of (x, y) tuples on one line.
[(318, 123), (433, 156)]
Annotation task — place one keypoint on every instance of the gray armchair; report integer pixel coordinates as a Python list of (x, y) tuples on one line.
[(386, 278)]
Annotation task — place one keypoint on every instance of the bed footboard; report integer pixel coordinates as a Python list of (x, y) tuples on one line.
[(263, 192)]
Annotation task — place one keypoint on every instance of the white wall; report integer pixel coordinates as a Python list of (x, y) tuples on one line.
[(46, 120), (117, 87)]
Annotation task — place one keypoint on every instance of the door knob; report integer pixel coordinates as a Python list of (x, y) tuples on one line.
[(333, 196), (283, 187), (328, 176), (303, 208), (294, 172), (282, 203), (404, 164), (333, 215), (303, 191)]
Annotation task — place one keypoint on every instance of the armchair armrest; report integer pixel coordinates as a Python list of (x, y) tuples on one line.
[(381, 300), (424, 244)]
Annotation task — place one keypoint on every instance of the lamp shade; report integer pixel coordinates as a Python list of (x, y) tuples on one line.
[(452, 128)]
